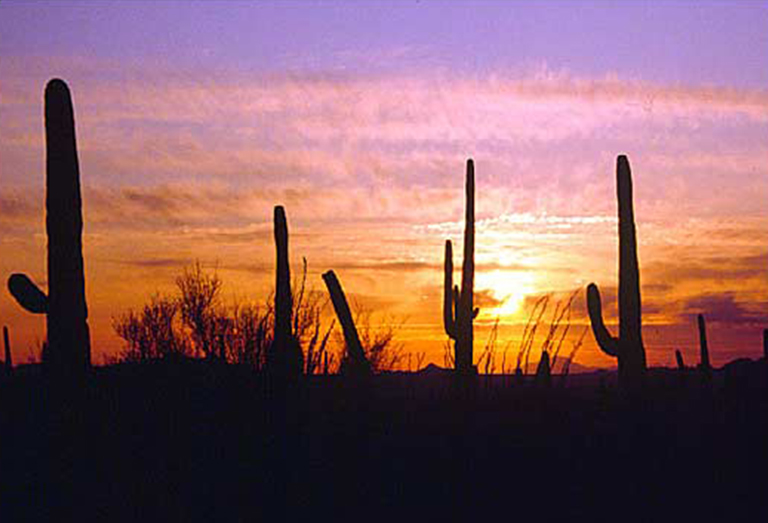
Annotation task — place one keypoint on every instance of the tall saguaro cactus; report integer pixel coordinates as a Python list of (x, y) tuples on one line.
[(458, 309), (284, 357), (628, 347), (69, 347)]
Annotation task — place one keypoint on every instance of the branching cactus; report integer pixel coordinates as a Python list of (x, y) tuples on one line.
[(704, 364), (628, 347), (458, 310), (69, 347), (284, 357), (355, 363)]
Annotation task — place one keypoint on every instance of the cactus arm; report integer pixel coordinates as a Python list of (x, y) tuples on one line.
[(27, 294), (340, 305), (449, 317), (608, 343)]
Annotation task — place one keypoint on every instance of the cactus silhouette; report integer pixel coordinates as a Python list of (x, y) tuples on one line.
[(765, 344), (355, 363), (543, 376), (284, 357), (679, 359), (69, 347), (704, 364), (628, 347), (458, 311), (8, 357)]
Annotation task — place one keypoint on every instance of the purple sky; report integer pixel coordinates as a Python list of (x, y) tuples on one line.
[(720, 43), (195, 119)]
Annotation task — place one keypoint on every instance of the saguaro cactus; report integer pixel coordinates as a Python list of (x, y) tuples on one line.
[(8, 356), (628, 347), (69, 347), (356, 362), (284, 355), (543, 371), (704, 364), (679, 359), (765, 344), (458, 310)]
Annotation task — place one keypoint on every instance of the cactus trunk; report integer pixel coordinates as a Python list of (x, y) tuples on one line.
[(543, 376), (628, 347), (68, 336), (765, 344), (356, 362), (283, 298), (679, 359), (285, 357), (703, 347), (458, 306), (7, 345)]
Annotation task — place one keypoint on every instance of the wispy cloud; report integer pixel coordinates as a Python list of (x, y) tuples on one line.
[(177, 166)]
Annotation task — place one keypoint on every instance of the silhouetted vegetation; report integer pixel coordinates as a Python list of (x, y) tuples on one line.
[(184, 428), (284, 356), (628, 346), (704, 365), (679, 359), (69, 346), (153, 333), (458, 309), (8, 363), (354, 361), (241, 333), (765, 345)]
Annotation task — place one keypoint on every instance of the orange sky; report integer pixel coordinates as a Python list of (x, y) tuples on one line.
[(181, 163)]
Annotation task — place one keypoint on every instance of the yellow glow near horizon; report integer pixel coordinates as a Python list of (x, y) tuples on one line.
[(508, 287)]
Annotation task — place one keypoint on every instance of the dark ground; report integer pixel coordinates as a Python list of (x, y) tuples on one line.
[(195, 442)]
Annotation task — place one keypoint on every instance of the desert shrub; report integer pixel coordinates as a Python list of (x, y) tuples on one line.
[(154, 332), (195, 321)]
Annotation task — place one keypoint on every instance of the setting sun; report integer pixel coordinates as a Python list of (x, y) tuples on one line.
[(362, 137), (509, 289)]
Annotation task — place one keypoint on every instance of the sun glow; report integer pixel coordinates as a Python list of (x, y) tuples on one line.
[(508, 288)]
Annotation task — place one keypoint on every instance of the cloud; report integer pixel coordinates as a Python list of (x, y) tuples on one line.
[(725, 308), (157, 262), (720, 268), (177, 166), (485, 299)]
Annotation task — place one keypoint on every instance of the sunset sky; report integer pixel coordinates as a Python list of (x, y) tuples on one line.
[(194, 120)]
